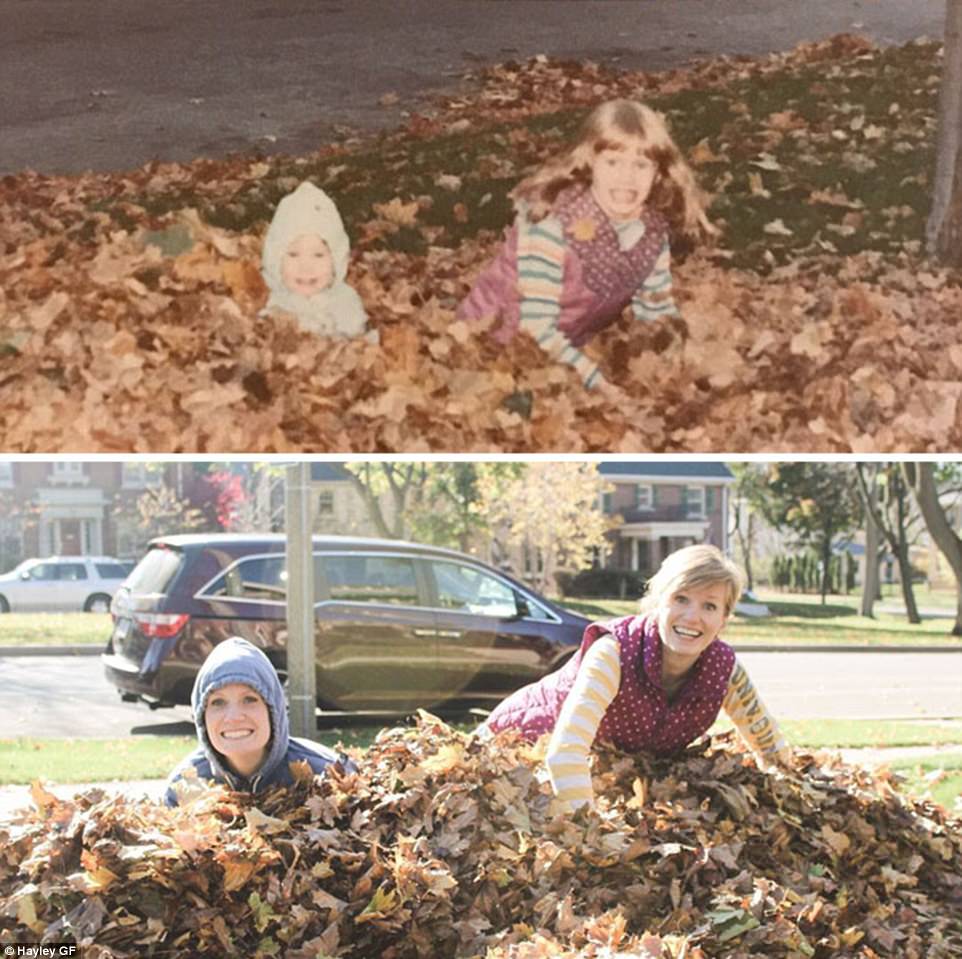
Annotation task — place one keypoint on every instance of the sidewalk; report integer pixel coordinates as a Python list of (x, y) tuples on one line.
[(13, 798)]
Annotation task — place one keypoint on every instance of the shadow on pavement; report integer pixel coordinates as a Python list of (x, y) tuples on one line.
[(184, 728)]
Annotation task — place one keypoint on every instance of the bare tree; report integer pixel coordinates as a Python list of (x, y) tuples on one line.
[(888, 507), (748, 493), (371, 480), (944, 227), (921, 479)]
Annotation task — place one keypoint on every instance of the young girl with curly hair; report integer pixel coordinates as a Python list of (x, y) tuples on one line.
[(593, 235)]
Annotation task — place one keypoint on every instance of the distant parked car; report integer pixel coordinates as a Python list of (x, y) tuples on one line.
[(58, 583), (398, 625)]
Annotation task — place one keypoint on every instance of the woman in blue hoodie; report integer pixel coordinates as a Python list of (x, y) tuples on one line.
[(242, 729)]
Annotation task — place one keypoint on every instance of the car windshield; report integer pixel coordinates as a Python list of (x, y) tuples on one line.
[(155, 571)]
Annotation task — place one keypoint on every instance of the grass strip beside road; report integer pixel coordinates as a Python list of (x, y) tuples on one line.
[(54, 629), (822, 150), (799, 619), (796, 619), (92, 760)]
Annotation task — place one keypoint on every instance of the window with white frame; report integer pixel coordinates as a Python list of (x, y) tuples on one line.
[(67, 471), (695, 501), (134, 476), (644, 496), (325, 502)]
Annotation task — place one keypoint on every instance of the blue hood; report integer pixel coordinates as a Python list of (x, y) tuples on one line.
[(237, 661)]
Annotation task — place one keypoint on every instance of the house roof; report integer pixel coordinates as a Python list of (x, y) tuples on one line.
[(328, 472), (684, 469)]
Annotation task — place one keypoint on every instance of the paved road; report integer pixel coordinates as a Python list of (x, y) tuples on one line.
[(68, 695), (111, 84)]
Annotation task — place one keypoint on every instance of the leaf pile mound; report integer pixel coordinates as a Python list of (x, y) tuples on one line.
[(130, 302), (446, 846)]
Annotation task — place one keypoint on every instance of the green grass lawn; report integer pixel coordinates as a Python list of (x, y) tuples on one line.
[(799, 618), (939, 778), (837, 149), (148, 757), (54, 629)]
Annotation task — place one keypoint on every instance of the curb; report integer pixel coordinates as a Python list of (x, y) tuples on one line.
[(51, 650), (772, 648)]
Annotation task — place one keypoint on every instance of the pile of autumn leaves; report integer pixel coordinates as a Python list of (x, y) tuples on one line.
[(440, 845), (144, 334)]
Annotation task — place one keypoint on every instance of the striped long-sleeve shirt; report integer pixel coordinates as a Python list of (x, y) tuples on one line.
[(599, 677), (541, 255)]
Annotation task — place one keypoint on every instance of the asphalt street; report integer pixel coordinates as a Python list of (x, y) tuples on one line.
[(112, 84), (67, 696)]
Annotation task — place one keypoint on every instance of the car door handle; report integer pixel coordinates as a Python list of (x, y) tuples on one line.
[(425, 632)]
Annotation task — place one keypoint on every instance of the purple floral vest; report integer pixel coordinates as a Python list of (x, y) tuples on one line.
[(599, 278), (639, 717)]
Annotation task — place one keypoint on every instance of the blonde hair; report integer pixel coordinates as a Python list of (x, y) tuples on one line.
[(674, 193), (692, 567)]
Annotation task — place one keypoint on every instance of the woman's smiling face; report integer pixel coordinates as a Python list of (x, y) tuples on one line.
[(238, 725), (690, 620)]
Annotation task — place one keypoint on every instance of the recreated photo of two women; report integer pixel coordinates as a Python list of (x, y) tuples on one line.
[(480, 479)]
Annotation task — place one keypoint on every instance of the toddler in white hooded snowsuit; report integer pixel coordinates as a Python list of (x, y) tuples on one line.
[(305, 263)]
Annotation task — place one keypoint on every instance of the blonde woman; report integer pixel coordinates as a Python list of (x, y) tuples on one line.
[(592, 236), (652, 682)]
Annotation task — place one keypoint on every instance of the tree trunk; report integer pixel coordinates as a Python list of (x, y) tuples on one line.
[(826, 562), (873, 539), (921, 480), (944, 227), (745, 541), (908, 594), (394, 530), (902, 552)]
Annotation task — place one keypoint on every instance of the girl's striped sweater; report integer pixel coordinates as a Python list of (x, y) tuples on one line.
[(597, 683)]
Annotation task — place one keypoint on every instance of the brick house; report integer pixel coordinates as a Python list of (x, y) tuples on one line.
[(72, 507), (664, 506)]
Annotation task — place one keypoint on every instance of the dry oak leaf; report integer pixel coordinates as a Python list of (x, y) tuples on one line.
[(398, 212)]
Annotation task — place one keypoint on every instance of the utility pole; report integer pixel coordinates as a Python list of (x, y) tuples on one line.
[(301, 692)]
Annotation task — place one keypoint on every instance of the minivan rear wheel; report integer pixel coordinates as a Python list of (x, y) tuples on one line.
[(98, 603)]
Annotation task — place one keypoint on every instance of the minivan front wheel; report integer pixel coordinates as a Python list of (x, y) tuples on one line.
[(98, 603)]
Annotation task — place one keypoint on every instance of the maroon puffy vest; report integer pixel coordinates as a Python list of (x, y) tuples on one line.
[(640, 717)]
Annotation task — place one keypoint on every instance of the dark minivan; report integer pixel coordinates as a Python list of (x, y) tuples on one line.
[(398, 625)]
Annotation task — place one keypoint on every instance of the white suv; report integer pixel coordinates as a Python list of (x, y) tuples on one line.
[(58, 583)]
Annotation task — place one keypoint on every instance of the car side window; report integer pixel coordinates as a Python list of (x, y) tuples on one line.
[(258, 578), (72, 571), (43, 571), (110, 571), (473, 591), (361, 578)]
